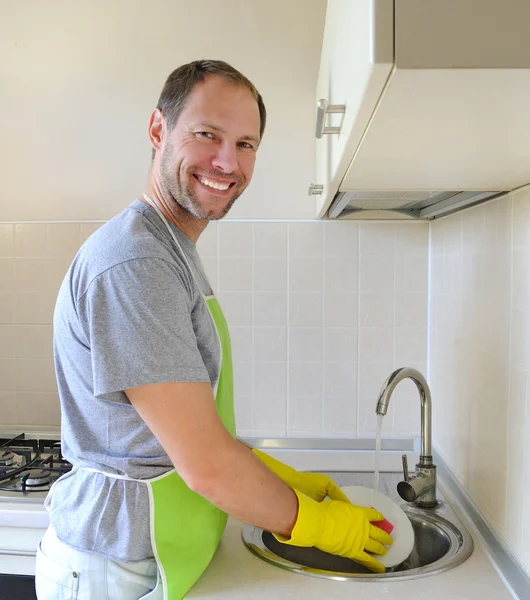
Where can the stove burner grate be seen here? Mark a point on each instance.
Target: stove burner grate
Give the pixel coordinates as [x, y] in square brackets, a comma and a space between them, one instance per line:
[6, 458]
[36, 477]
[30, 465]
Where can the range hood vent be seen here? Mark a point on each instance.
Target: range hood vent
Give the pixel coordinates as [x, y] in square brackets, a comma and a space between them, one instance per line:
[416, 205]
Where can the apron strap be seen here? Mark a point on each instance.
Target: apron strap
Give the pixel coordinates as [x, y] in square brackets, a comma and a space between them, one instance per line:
[126, 477]
[113, 475]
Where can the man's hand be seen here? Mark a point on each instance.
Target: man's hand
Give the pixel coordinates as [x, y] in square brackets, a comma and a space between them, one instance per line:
[341, 529]
[314, 485]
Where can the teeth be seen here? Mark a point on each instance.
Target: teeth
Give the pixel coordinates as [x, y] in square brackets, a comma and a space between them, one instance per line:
[214, 185]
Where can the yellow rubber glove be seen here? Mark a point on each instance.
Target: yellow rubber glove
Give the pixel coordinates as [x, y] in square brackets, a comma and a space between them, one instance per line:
[341, 529]
[314, 485]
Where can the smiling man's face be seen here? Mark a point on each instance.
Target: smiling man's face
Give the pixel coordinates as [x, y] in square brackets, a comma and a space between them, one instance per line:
[207, 160]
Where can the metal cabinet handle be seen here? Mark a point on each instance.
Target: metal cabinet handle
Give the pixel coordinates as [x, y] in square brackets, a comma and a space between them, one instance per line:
[315, 189]
[323, 108]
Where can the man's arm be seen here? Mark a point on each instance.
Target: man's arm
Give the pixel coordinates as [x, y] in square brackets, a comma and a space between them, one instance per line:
[184, 419]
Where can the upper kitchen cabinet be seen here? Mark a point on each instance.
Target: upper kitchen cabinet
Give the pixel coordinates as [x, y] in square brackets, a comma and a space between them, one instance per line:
[431, 102]
[357, 58]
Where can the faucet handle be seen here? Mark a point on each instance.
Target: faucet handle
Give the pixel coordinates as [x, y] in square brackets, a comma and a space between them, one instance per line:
[405, 467]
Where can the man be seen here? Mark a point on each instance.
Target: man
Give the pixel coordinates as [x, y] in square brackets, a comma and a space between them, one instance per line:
[143, 366]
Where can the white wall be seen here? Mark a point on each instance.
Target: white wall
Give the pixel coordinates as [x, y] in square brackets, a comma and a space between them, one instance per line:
[479, 362]
[79, 80]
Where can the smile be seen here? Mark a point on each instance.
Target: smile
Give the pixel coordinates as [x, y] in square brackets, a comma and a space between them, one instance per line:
[222, 187]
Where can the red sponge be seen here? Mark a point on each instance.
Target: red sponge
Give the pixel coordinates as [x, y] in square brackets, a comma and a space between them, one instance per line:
[385, 525]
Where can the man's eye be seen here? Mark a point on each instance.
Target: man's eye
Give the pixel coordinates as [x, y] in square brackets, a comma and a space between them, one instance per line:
[206, 134]
[246, 145]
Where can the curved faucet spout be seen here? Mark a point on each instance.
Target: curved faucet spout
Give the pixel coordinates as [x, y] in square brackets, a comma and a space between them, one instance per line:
[421, 487]
[425, 397]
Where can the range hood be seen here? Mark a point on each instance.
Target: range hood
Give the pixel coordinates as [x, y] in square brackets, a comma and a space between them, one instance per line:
[423, 106]
[413, 205]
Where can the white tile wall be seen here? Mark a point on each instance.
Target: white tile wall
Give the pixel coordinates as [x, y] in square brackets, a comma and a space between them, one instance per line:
[479, 365]
[33, 260]
[328, 310]
[320, 313]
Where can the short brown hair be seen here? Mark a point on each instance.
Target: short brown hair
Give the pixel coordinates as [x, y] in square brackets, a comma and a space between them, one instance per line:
[180, 83]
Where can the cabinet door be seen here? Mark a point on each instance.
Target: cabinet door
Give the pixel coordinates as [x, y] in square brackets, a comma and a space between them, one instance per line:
[357, 57]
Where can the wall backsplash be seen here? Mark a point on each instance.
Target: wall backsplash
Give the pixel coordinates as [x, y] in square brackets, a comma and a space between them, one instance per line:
[320, 313]
[480, 359]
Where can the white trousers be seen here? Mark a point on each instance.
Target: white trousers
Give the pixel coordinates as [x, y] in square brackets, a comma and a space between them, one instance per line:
[63, 573]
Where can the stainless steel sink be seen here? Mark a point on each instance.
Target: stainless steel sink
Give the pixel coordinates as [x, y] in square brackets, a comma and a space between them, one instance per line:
[441, 541]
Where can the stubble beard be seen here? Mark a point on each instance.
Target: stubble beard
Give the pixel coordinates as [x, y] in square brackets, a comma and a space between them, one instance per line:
[184, 195]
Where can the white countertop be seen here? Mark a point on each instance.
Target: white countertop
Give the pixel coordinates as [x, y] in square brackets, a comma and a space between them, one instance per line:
[236, 574]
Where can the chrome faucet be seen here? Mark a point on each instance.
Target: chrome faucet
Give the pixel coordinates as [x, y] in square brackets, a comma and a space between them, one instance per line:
[421, 487]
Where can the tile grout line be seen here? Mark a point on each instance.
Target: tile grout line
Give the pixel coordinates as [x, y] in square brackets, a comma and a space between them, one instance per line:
[358, 329]
[14, 317]
[227, 220]
[429, 301]
[253, 336]
[510, 368]
[323, 359]
[394, 303]
[287, 234]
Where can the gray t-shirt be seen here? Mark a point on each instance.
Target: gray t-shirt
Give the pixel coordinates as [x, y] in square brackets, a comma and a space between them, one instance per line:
[128, 313]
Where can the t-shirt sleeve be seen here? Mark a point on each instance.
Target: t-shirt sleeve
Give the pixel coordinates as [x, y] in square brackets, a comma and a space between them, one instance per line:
[138, 322]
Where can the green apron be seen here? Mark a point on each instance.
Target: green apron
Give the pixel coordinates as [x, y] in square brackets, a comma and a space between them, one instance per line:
[185, 528]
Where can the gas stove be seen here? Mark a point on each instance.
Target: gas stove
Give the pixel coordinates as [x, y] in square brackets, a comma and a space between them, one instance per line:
[29, 465]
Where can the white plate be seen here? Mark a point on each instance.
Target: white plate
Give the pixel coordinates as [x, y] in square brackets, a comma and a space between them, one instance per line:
[402, 534]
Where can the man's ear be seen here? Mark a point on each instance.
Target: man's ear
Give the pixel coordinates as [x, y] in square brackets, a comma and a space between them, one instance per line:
[157, 129]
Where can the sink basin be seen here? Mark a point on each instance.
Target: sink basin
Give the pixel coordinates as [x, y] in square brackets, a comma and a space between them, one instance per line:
[441, 542]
